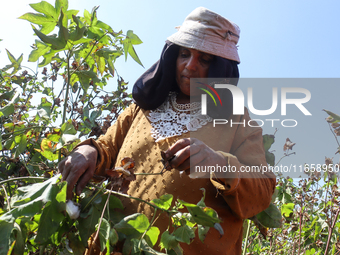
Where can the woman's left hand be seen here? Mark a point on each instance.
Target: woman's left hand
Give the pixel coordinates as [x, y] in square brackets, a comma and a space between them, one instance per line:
[190, 153]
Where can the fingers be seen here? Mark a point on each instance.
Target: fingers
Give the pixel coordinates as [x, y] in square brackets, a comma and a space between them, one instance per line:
[78, 167]
[85, 178]
[179, 145]
[184, 150]
[190, 153]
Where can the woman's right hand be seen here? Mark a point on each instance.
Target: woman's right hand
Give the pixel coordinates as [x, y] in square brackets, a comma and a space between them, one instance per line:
[78, 168]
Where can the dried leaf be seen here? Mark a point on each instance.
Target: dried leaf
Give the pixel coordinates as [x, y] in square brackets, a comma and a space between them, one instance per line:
[288, 145]
[120, 177]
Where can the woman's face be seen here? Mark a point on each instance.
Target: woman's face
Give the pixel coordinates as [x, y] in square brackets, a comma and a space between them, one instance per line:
[191, 64]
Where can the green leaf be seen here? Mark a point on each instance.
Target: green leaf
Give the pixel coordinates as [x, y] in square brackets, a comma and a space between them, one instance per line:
[104, 233]
[201, 203]
[202, 232]
[56, 43]
[42, 49]
[333, 115]
[78, 33]
[63, 31]
[110, 65]
[168, 241]
[207, 217]
[71, 13]
[48, 27]
[85, 77]
[113, 237]
[152, 235]
[184, 234]
[15, 62]
[270, 158]
[7, 110]
[95, 114]
[94, 15]
[75, 244]
[87, 223]
[268, 140]
[7, 95]
[287, 209]
[66, 140]
[104, 26]
[133, 54]
[87, 17]
[68, 128]
[44, 109]
[131, 247]
[52, 215]
[164, 202]
[5, 233]
[133, 225]
[147, 250]
[39, 191]
[176, 251]
[114, 202]
[19, 240]
[61, 4]
[134, 39]
[271, 217]
[38, 19]
[21, 141]
[45, 8]
[100, 64]
[48, 58]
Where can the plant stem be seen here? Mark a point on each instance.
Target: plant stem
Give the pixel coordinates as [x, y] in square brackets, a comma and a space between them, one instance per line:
[67, 88]
[152, 220]
[42, 249]
[330, 231]
[247, 236]
[100, 223]
[66, 94]
[336, 138]
[135, 198]
[285, 155]
[23, 178]
[301, 218]
[8, 203]
[95, 195]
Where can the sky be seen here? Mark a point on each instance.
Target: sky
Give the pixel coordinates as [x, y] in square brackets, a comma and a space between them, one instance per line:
[279, 39]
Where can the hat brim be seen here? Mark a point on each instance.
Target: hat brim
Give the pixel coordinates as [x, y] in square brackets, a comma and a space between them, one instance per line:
[207, 44]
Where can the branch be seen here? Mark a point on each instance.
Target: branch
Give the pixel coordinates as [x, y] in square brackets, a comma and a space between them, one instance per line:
[330, 231]
[301, 219]
[135, 198]
[23, 178]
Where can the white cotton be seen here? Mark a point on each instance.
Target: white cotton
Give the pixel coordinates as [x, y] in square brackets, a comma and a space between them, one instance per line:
[72, 209]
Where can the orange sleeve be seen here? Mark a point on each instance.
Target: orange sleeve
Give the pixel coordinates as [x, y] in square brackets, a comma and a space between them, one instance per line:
[247, 193]
[108, 145]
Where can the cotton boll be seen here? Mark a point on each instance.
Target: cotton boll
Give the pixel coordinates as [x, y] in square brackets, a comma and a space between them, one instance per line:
[72, 209]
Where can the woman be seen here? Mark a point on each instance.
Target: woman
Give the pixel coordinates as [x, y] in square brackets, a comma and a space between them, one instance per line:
[164, 118]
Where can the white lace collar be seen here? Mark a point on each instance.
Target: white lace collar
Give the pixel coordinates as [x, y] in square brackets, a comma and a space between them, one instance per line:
[172, 119]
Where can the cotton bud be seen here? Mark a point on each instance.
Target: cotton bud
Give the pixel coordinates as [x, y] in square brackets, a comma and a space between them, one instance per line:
[73, 209]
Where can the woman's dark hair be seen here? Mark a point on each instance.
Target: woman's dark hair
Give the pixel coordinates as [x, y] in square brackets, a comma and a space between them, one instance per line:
[153, 87]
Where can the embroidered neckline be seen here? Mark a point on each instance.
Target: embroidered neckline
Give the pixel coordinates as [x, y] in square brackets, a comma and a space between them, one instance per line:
[173, 119]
